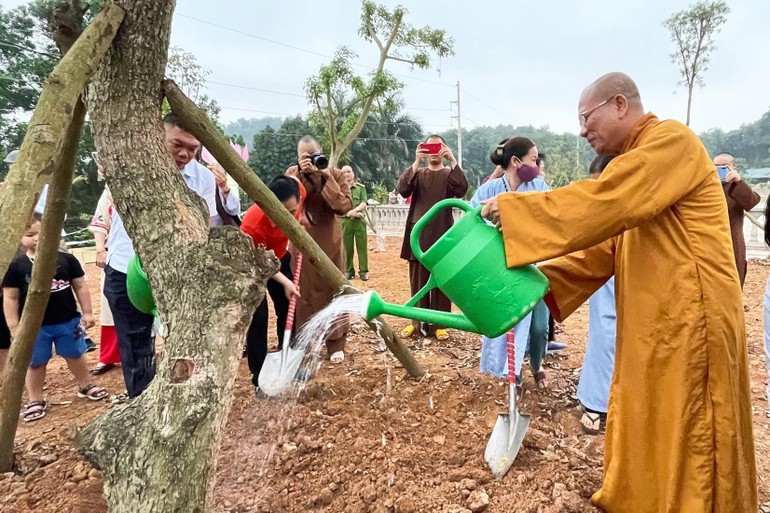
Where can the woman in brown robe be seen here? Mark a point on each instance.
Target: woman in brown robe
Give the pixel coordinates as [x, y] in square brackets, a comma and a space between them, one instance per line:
[427, 186]
[328, 195]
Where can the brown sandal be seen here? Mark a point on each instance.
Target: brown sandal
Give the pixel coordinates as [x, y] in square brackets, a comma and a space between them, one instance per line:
[541, 379]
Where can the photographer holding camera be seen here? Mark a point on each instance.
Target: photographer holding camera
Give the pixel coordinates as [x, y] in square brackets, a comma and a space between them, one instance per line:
[328, 195]
[740, 198]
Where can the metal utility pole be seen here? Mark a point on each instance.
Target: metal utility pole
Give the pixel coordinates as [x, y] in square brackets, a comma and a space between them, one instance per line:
[459, 129]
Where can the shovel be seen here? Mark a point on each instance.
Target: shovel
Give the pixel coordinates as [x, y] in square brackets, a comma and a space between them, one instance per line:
[280, 367]
[505, 442]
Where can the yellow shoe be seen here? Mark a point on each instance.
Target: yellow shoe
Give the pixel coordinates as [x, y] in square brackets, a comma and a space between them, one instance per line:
[407, 332]
[442, 334]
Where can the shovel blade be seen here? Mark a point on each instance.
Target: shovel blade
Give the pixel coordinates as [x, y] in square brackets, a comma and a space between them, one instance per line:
[278, 371]
[505, 442]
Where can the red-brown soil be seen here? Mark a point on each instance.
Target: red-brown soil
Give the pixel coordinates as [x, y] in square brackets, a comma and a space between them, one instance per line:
[364, 438]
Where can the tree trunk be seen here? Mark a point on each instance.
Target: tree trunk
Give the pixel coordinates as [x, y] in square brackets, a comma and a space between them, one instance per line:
[215, 142]
[158, 451]
[45, 134]
[39, 289]
[689, 101]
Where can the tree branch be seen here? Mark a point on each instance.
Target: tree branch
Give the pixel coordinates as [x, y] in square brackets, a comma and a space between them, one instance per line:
[399, 59]
[373, 34]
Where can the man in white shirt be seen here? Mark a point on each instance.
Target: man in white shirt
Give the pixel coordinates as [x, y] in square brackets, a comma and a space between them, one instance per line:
[134, 328]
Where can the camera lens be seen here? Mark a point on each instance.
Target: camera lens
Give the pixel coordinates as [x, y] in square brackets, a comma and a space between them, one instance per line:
[320, 161]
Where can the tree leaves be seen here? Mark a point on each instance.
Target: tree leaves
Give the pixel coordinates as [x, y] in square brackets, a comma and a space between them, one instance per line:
[342, 99]
[692, 31]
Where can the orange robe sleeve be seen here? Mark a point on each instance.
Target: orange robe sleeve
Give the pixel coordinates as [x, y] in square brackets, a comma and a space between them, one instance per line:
[634, 188]
[575, 277]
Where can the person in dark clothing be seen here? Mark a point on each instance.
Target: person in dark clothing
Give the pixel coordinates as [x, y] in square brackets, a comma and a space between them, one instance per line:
[427, 185]
[263, 231]
[740, 198]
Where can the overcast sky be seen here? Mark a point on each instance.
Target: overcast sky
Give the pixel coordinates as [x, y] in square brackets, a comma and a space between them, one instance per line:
[517, 62]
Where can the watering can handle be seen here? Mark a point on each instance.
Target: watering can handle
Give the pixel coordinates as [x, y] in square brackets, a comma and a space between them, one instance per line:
[414, 239]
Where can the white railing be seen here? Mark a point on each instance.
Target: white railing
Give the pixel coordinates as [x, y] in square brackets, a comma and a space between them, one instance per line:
[390, 220]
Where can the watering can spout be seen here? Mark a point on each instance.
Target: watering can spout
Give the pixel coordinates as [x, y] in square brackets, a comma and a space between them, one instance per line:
[373, 306]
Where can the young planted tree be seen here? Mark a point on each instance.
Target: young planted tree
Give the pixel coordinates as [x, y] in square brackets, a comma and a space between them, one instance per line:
[342, 100]
[692, 31]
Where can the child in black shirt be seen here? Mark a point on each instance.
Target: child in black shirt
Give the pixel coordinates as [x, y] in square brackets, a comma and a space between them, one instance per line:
[61, 322]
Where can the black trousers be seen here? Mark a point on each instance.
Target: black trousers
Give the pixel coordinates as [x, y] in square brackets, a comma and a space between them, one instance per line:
[256, 338]
[134, 331]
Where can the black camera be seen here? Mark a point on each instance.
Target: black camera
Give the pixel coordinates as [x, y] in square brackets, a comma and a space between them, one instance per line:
[319, 160]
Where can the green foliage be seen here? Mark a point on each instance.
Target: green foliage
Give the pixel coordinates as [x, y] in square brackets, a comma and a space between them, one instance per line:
[185, 70]
[273, 151]
[692, 31]
[567, 155]
[342, 100]
[26, 58]
[380, 193]
[750, 144]
[386, 144]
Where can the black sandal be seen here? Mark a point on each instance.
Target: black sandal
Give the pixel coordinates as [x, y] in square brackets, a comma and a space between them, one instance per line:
[34, 411]
[593, 423]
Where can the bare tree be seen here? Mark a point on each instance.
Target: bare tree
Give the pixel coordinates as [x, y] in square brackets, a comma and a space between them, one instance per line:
[692, 31]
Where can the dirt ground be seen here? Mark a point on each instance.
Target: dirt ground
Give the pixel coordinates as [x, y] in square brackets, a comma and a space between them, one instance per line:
[363, 438]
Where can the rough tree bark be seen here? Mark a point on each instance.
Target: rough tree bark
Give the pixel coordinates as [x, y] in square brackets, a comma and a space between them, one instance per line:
[215, 142]
[158, 451]
[39, 289]
[45, 133]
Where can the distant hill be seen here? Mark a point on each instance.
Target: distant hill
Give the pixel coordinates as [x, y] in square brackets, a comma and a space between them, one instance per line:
[246, 128]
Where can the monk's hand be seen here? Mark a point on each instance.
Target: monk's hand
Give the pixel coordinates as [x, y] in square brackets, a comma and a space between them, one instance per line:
[306, 165]
[491, 211]
[733, 177]
[419, 156]
[446, 154]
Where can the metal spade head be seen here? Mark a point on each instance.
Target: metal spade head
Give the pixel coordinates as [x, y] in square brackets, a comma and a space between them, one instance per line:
[506, 439]
[279, 369]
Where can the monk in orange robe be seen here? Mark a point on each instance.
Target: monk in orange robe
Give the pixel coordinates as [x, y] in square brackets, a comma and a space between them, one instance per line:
[679, 433]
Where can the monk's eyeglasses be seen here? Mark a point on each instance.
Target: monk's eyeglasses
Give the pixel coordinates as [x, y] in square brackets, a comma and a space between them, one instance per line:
[583, 116]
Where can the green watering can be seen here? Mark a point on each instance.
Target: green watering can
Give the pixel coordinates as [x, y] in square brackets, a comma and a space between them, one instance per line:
[468, 265]
[138, 288]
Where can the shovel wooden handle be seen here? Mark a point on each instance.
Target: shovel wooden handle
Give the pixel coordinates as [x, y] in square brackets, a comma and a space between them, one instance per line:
[293, 300]
[511, 357]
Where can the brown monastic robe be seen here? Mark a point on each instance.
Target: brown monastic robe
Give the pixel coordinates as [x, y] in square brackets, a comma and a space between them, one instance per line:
[679, 429]
[427, 187]
[740, 198]
[326, 198]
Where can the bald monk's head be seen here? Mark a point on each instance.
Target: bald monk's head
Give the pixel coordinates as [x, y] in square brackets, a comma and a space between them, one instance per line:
[608, 109]
[307, 145]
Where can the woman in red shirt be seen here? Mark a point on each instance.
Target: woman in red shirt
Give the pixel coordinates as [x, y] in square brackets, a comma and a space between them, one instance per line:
[263, 231]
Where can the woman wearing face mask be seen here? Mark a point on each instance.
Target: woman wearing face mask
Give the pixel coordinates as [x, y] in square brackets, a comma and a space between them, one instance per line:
[517, 157]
